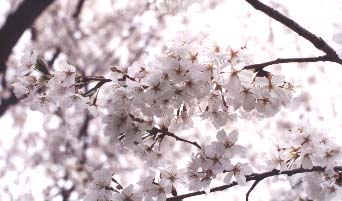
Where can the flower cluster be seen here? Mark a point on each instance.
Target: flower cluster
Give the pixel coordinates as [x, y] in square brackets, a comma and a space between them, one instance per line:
[215, 159]
[205, 165]
[189, 81]
[150, 101]
[46, 90]
[309, 148]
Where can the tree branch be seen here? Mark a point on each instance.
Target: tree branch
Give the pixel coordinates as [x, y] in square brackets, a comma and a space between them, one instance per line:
[260, 66]
[252, 188]
[7, 102]
[254, 177]
[183, 140]
[78, 10]
[55, 55]
[165, 132]
[16, 24]
[318, 42]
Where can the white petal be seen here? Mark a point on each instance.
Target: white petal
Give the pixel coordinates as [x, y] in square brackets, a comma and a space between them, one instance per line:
[228, 178]
[221, 136]
[240, 179]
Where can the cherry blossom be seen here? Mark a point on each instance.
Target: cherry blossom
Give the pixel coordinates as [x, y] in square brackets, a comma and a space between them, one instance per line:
[102, 178]
[145, 104]
[128, 194]
[28, 61]
[240, 170]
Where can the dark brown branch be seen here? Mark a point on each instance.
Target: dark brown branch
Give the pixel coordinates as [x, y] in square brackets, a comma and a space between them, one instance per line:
[165, 132]
[78, 9]
[260, 66]
[15, 25]
[318, 42]
[83, 135]
[252, 188]
[183, 140]
[55, 55]
[254, 177]
[7, 102]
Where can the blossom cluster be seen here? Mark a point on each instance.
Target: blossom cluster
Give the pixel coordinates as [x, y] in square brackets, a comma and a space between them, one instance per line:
[150, 101]
[216, 158]
[309, 148]
[204, 166]
[44, 91]
[189, 81]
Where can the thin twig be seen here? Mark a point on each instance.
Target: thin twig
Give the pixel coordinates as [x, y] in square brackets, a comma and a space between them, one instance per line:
[260, 66]
[183, 140]
[165, 132]
[318, 42]
[252, 188]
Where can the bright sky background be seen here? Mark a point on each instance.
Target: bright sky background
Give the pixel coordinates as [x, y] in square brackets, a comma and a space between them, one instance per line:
[236, 23]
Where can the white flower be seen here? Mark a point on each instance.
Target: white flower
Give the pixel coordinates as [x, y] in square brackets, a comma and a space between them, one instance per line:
[305, 159]
[99, 195]
[172, 175]
[198, 180]
[229, 141]
[218, 118]
[232, 81]
[116, 125]
[277, 159]
[161, 190]
[328, 157]
[216, 159]
[267, 105]
[102, 178]
[57, 91]
[25, 86]
[42, 103]
[239, 171]
[66, 74]
[156, 87]
[28, 61]
[128, 194]
[151, 157]
[246, 98]
[148, 188]
[73, 100]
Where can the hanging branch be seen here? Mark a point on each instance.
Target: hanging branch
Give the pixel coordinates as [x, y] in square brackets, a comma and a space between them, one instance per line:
[254, 177]
[318, 42]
